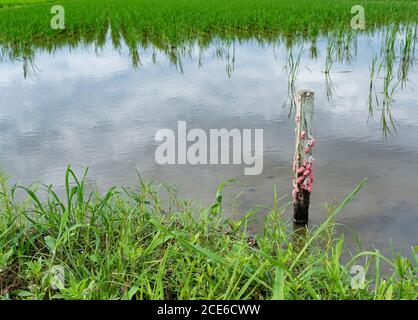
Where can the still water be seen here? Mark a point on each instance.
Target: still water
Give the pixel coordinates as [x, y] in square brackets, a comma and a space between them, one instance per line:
[88, 107]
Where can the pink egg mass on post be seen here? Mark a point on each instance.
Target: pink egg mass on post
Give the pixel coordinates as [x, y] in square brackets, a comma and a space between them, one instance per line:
[303, 161]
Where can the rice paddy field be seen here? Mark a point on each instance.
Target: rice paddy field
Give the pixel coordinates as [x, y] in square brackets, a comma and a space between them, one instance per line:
[166, 23]
[94, 94]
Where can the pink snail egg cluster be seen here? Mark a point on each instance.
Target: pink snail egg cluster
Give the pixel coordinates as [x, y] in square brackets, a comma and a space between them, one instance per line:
[305, 175]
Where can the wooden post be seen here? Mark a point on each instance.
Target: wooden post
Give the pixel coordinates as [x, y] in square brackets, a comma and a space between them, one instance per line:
[303, 160]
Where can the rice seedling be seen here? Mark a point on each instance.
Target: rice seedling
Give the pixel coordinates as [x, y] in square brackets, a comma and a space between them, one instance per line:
[406, 56]
[342, 47]
[329, 87]
[387, 119]
[329, 61]
[292, 69]
[313, 51]
[391, 81]
[372, 88]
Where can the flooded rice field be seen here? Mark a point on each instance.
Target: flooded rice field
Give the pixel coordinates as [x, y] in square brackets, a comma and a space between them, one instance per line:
[101, 107]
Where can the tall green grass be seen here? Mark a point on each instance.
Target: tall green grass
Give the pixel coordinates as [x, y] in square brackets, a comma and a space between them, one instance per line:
[133, 244]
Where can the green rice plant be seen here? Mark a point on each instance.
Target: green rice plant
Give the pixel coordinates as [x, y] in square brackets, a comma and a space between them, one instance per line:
[329, 87]
[329, 61]
[387, 119]
[292, 68]
[26, 29]
[372, 89]
[388, 64]
[407, 54]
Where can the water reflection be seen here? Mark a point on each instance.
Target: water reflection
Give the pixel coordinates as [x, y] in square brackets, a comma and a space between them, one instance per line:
[394, 47]
[87, 106]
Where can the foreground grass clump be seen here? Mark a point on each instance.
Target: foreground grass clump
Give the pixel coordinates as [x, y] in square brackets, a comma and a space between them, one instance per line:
[130, 244]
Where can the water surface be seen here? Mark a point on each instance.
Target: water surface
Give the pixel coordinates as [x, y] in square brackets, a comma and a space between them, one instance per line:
[89, 107]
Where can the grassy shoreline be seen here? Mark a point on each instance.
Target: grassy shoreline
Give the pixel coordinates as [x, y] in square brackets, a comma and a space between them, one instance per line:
[131, 244]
